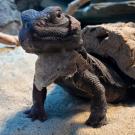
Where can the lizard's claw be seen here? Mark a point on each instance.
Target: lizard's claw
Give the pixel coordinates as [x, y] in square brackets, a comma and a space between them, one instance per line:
[96, 122]
[36, 113]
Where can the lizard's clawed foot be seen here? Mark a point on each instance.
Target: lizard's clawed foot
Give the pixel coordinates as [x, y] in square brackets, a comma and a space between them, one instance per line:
[36, 113]
[96, 122]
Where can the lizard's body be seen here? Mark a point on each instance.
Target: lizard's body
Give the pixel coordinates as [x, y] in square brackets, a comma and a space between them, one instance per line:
[115, 87]
[62, 59]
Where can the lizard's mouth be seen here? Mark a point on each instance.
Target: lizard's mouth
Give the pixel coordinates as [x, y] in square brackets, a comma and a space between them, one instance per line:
[51, 32]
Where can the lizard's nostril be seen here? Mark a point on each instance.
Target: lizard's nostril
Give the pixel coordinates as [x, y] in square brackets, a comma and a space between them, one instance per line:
[40, 23]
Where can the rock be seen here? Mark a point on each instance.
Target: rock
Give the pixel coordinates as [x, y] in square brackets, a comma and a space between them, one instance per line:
[66, 113]
[114, 41]
[28, 4]
[40, 4]
[9, 17]
[98, 11]
[103, 11]
[60, 3]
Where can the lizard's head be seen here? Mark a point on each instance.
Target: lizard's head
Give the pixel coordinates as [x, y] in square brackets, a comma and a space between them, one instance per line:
[49, 30]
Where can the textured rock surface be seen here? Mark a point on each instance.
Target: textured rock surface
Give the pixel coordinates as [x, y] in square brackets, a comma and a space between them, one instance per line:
[9, 17]
[66, 114]
[113, 40]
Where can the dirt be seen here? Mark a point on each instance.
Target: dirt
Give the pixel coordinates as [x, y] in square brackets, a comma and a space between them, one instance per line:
[66, 114]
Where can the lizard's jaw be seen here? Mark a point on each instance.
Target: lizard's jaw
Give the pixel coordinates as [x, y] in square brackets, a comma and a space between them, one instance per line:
[51, 32]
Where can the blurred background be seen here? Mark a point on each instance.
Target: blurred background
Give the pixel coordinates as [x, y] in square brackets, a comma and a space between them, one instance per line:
[92, 12]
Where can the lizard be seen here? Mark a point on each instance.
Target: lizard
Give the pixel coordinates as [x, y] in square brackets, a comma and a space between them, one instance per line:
[57, 40]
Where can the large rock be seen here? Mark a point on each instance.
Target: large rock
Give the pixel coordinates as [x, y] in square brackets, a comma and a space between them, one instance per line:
[9, 17]
[95, 12]
[66, 114]
[103, 11]
[116, 41]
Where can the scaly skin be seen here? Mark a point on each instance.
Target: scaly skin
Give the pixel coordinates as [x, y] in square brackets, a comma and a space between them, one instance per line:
[52, 31]
[41, 31]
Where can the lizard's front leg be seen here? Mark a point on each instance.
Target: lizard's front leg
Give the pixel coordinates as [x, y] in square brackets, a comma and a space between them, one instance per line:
[37, 110]
[88, 81]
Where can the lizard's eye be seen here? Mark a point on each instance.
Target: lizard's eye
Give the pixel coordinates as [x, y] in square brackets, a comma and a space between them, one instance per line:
[58, 14]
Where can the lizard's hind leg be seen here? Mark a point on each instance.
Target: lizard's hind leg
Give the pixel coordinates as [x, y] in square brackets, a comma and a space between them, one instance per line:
[89, 82]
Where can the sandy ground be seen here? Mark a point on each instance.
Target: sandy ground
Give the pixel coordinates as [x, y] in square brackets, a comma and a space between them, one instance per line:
[66, 114]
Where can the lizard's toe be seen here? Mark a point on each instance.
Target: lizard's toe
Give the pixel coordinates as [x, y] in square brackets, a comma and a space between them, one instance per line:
[96, 122]
[36, 113]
